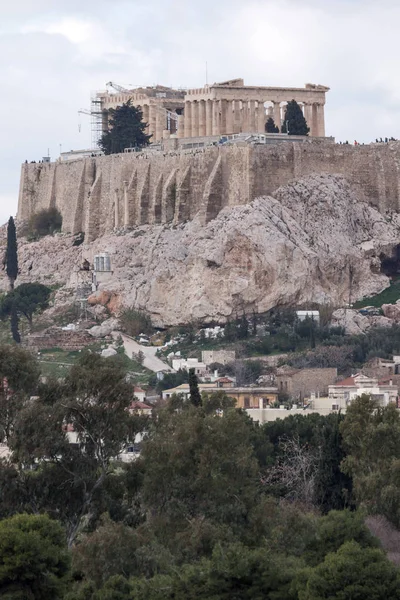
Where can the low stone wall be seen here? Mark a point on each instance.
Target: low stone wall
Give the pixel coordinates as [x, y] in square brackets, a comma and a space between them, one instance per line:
[55, 337]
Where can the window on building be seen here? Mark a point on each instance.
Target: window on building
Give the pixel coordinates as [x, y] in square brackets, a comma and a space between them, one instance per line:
[247, 402]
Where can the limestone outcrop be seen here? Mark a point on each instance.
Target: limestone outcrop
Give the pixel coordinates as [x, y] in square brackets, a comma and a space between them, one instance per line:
[392, 311]
[354, 323]
[105, 329]
[313, 241]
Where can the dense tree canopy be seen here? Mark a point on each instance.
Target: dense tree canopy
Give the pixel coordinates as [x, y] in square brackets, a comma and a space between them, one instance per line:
[34, 562]
[127, 130]
[69, 481]
[215, 507]
[371, 437]
[353, 573]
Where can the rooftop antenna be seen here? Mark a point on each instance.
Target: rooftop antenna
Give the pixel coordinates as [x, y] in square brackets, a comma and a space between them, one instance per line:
[206, 73]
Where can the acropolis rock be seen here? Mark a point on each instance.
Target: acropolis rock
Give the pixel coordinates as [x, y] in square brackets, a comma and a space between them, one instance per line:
[314, 240]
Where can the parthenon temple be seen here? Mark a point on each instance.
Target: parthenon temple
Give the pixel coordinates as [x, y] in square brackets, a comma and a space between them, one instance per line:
[219, 109]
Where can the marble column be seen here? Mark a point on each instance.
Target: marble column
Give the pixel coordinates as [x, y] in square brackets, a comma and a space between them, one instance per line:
[314, 120]
[277, 115]
[202, 118]
[223, 105]
[236, 116]
[261, 118]
[252, 116]
[188, 119]
[208, 117]
[320, 120]
[152, 122]
[215, 118]
[245, 127]
[195, 119]
[180, 128]
[229, 117]
[309, 117]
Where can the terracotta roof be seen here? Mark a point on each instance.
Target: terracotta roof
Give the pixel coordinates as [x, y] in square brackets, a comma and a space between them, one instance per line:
[224, 380]
[140, 405]
[138, 390]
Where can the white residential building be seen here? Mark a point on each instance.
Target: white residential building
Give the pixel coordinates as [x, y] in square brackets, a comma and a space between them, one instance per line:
[342, 393]
[200, 368]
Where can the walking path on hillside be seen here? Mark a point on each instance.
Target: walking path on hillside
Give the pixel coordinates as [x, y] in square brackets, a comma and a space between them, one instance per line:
[151, 361]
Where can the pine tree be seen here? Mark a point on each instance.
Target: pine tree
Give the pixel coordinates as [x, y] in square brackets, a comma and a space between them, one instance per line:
[195, 396]
[270, 126]
[11, 253]
[14, 321]
[294, 122]
[127, 130]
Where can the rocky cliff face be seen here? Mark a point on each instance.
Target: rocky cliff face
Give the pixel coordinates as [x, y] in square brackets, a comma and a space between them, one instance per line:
[314, 241]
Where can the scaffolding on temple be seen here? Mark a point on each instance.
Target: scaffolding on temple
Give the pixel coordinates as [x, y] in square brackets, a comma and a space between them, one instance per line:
[96, 119]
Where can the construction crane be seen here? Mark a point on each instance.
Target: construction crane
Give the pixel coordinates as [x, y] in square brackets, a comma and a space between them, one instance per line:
[118, 88]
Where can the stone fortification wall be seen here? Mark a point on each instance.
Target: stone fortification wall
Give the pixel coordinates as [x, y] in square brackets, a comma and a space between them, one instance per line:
[95, 195]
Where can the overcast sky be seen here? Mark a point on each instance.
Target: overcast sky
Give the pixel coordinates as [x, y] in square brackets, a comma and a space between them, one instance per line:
[53, 53]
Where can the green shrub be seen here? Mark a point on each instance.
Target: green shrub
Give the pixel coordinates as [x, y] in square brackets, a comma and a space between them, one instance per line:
[135, 322]
[45, 222]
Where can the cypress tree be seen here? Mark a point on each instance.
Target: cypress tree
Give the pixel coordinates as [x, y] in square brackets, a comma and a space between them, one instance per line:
[14, 321]
[11, 253]
[270, 126]
[195, 396]
[294, 122]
